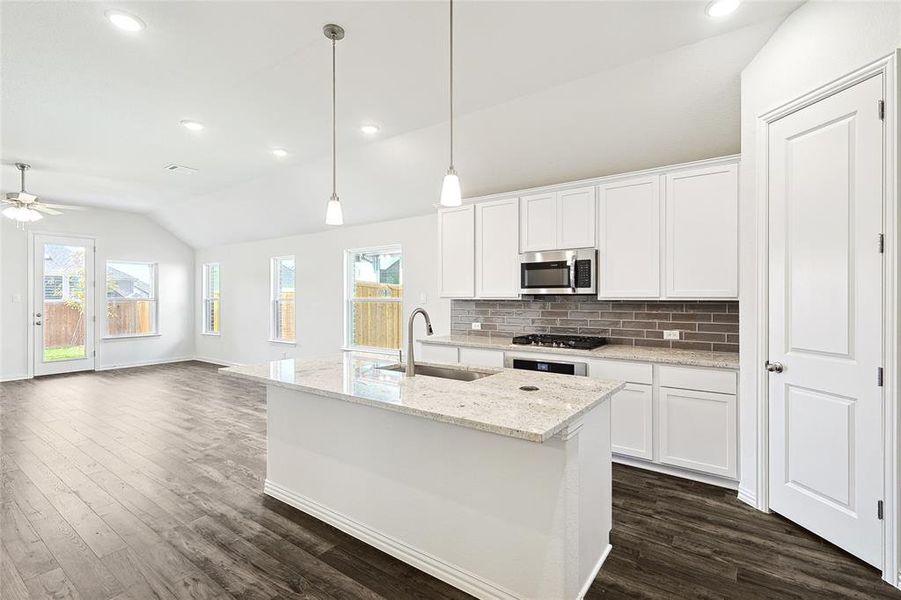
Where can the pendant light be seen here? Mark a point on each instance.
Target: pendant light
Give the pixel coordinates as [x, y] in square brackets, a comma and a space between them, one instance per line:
[451, 194]
[333, 213]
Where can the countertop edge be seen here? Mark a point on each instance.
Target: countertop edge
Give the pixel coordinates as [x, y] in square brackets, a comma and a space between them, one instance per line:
[596, 354]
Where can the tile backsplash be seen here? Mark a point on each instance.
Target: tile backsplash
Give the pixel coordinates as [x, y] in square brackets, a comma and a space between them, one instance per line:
[703, 325]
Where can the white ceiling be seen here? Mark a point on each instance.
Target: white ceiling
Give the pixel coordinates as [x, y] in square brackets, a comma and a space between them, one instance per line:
[546, 91]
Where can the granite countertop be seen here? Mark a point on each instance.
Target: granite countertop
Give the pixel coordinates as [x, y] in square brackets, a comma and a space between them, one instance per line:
[671, 356]
[494, 404]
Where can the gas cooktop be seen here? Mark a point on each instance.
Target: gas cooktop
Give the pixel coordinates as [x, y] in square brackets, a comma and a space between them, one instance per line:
[579, 342]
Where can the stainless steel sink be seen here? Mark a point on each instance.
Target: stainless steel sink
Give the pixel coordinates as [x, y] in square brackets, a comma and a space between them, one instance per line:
[443, 372]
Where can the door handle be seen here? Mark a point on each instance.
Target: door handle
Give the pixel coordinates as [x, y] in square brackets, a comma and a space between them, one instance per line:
[37, 322]
[38, 315]
[572, 274]
[774, 367]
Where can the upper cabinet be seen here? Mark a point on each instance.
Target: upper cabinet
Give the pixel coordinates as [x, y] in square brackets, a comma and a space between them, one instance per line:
[456, 241]
[702, 232]
[629, 238]
[557, 220]
[497, 249]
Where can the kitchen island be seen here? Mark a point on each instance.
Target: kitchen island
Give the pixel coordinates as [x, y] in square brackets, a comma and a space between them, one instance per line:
[500, 485]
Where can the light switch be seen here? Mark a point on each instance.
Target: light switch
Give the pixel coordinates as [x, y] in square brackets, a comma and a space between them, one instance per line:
[17, 298]
[423, 298]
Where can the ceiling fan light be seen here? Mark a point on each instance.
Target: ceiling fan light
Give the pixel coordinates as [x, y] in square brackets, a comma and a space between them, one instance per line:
[333, 213]
[451, 195]
[11, 212]
[32, 215]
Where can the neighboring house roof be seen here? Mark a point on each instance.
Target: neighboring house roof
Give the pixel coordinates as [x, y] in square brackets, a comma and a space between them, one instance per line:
[123, 285]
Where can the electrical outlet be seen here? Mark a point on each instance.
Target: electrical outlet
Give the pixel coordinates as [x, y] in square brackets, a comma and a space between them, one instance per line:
[671, 334]
[477, 326]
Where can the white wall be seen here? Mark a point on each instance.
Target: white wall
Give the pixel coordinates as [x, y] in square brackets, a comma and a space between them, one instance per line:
[320, 288]
[819, 42]
[118, 235]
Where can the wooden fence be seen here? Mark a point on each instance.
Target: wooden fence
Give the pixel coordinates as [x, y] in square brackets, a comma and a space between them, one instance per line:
[378, 324]
[64, 322]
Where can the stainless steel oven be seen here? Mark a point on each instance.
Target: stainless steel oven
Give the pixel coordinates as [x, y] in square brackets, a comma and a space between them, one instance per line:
[559, 272]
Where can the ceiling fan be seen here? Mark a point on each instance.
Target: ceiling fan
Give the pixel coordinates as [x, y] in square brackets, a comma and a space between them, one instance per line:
[23, 207]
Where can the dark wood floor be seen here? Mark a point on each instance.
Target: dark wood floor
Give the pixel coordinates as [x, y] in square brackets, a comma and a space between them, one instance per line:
[145, 483]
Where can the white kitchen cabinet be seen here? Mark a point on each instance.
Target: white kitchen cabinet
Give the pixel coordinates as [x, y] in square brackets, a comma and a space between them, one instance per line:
[702, 232]
[482, 357]
[497, 249]
[575, 218]
[629, 231]
[538, 222]
[434, 353]
[697, 430]
[456, 241]
[558, 220]
[632, 421]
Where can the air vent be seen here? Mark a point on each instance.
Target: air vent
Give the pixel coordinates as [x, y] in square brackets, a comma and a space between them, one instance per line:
[180, 169]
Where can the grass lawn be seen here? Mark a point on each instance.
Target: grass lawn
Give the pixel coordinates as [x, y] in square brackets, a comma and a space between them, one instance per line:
[63, 353]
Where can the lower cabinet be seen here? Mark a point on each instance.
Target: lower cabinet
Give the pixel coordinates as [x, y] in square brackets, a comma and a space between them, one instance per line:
[433, 353]
[697, 430]
[632, 418]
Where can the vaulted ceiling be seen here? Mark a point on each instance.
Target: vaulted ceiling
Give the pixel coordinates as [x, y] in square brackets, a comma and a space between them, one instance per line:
[545, 92]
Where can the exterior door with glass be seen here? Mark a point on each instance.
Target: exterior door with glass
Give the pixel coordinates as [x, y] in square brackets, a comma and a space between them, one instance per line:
[62, 315]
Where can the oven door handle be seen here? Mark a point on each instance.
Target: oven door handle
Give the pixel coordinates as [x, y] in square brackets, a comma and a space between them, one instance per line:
[572, 273]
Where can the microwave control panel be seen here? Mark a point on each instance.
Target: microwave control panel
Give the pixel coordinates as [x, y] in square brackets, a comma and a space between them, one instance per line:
[583, 273]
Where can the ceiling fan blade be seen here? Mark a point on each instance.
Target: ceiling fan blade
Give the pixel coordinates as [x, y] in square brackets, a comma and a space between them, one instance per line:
[62, 206]
[41, 207]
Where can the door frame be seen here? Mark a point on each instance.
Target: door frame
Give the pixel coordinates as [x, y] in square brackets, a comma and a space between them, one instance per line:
[30, 291]
[885, 66]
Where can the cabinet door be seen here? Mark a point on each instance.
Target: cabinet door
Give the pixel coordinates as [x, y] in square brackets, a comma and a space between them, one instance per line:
[697, 430]
[482, 357]
[629, 238]
[497, 249]
[631, 421]
[538, 222]
[435, 353]
[456, 240]
[702, 233]
[575, 218]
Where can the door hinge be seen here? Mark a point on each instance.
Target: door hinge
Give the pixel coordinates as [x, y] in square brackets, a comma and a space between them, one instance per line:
[879, 510]
[94, 319]
[882, 110]
[94, 353]
[881, 243]
[879, 376]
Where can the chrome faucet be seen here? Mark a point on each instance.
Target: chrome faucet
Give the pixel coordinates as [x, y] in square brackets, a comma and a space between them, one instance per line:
[411, 366]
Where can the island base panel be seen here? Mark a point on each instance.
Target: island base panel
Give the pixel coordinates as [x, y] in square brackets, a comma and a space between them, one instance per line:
[495, 516]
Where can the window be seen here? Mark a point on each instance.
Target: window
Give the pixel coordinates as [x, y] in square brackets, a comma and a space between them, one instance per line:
[281, 283]
[374, 295]
[131, 299]
[211, 309]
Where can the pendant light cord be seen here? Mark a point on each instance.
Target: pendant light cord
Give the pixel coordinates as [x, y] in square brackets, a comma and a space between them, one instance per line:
[451, 84]
[334, 94]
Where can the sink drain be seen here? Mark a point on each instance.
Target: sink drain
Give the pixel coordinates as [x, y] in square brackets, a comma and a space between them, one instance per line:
[529, 388]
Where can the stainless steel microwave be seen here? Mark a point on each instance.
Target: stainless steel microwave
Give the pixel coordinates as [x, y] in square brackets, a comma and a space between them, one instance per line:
[559, 272]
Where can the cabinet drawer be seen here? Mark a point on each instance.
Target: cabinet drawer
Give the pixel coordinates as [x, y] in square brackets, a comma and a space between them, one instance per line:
[439, 354]
[481, 357]
[721, 381]
[624, 371]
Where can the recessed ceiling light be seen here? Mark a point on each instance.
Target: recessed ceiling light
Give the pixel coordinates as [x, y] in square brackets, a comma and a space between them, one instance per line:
[280, 152]
[721, 8]
[125, 21]
[192, 125]
[369, 128]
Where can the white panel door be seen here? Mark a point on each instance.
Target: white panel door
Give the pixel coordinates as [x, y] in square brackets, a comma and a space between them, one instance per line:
[456, 240]
[825, 329]
[538, 222]
[698, 431]
[631, 421]
[62, 314]
[497, 249]
[702, 233]
[575, 218]
[629, 238]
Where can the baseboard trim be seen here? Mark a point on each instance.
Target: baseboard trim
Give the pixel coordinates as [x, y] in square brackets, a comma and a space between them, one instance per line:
[595, 571]
[215, 361]
[15, 378]
[146, 363]
[747, 497]
[455, 576]
[676, 472]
